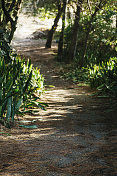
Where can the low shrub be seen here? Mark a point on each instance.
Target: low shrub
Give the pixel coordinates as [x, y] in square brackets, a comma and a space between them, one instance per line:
[76, 75]
[104, 76]
[19, 82]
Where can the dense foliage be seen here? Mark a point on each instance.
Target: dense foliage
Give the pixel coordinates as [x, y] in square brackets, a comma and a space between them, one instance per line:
[87, 39]
[42, 8]
[104, 77]
[19, 82]
[9, 15]
[95, 60]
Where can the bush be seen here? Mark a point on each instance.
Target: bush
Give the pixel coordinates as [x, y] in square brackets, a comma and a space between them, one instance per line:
[18, 83]
[76, 75]
[104, 76]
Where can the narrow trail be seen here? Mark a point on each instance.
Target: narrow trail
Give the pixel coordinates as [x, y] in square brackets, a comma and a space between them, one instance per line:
[75, 136]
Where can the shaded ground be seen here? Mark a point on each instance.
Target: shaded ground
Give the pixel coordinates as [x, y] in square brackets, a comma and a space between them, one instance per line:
[75, 136]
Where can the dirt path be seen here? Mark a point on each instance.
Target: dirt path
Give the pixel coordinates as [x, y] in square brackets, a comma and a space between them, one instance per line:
[75, 136]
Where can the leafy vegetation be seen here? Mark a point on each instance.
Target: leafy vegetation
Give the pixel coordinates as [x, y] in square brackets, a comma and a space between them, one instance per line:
[87, 45]
[87, 40]
[9, 15]
[19, 82]
[70, 72]
[93, 59]
[104, 77]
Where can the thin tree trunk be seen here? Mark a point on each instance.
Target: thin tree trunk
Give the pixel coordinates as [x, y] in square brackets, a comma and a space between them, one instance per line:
[60, 44]
[53, 29]
[99, 7]
[82, 61]
[13, 29]
[73, 45]
[9, 18]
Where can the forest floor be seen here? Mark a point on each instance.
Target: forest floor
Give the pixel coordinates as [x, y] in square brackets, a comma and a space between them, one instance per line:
[76, 135]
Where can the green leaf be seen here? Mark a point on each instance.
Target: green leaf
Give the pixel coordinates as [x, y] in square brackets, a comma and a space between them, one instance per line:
[9, 107]
[19, 103]
[29, 126]
[5, 133]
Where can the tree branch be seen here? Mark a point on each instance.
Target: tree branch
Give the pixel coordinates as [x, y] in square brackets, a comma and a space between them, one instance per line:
[11, 6]
[18, 5]
[89, 5]
[98, 8]
[6, 12]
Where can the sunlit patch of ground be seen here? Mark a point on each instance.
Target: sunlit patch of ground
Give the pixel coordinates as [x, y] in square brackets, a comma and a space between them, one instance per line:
[29, 24]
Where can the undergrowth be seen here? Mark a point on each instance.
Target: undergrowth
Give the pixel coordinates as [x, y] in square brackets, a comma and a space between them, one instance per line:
[102, 77]
[20, 84]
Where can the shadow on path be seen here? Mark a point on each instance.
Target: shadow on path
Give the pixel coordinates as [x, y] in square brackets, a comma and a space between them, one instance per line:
[75, 136]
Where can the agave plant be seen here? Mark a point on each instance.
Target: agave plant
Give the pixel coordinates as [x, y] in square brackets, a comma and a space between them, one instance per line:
[18, 83]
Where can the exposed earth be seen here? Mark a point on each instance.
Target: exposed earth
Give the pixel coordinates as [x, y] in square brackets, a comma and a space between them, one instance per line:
[77, 135]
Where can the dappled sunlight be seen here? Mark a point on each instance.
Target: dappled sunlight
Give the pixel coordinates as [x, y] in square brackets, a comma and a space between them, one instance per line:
[50, 117]
[73, 135]
[62, 139]
[19, 135]
[15, 174]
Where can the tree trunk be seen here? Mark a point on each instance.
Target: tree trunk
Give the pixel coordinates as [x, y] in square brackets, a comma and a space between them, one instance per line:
[8, 16]
[60, 44]
[97, 8]
[53, 29]
[82, 61]
[73, 45]
[13, 29]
